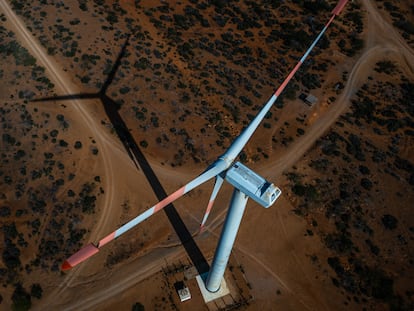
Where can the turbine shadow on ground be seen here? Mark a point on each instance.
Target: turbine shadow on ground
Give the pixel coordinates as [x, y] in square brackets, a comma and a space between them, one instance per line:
[135, 153]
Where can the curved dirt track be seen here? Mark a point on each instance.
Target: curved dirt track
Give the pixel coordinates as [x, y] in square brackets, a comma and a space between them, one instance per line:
[382, 40]
[378, 46]
[65, 86]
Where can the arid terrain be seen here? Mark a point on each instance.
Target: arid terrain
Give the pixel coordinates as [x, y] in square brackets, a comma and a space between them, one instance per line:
[95, 94]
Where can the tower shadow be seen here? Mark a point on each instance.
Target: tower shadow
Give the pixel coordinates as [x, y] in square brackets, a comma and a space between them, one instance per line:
[140, 161]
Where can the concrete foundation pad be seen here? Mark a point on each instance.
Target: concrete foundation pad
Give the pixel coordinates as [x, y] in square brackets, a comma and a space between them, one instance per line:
[209, 296]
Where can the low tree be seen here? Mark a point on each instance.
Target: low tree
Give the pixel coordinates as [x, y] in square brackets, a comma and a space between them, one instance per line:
[21, 299]
[36, 291]
[138, 307]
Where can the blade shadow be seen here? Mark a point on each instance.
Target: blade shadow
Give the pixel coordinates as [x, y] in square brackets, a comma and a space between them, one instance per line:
[112, 111]
[115, 67]
[67, 97]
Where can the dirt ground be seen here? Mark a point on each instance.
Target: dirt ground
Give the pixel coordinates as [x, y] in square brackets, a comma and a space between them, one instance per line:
[272, 248]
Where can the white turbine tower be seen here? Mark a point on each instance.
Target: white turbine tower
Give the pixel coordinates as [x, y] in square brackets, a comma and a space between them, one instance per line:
[246, 184]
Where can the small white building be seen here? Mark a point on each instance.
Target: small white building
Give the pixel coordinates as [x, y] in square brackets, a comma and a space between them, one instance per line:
[183, 292]
[309, 99]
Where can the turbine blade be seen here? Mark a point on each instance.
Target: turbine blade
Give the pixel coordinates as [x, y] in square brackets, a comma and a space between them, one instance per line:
[339, 7]
[222, 163]
[90, 250]
[83, 254]
[217, 186]
[240, 141]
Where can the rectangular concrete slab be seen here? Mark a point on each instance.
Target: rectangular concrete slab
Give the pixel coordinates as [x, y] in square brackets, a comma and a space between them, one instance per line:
[209, 296]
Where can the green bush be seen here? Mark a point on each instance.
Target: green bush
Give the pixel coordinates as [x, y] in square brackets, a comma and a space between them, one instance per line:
[138, 307]
[36, 291]
[389, 221]
[78, 145]
[21, 299]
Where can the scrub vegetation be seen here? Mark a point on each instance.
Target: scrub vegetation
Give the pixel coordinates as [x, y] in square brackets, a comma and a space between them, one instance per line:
[193, 75]
[356, 192]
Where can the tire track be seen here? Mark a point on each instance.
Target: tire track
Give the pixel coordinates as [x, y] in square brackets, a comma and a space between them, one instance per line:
[383, 40]
[375, 51]
[130, 271]
[63, 84]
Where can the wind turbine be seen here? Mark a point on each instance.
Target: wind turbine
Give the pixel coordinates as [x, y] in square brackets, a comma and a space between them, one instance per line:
[134, 151]
[246, 183]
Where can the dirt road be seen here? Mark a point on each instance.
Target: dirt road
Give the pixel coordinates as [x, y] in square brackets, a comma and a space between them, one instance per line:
[378, 47]
[65, 86]
[381, 40]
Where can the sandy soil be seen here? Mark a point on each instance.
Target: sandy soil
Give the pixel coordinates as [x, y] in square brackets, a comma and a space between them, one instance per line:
[279, 264]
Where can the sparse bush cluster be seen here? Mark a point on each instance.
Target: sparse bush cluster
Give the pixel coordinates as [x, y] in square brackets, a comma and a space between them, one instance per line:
[29, 190]
[217, 78]
[349, 168]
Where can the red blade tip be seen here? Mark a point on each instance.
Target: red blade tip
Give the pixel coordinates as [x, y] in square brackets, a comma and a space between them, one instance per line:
[66, 266]
[339, 7]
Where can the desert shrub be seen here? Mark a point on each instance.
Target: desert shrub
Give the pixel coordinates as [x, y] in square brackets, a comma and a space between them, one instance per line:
[124, 90]
[7, 138]
[182, 21]
[87, 200]
[389, 221]
[339, 242]
[356, 45]
[21, 55]
[385, 66]
[372, 247]
[364, 170]
[36, 291]
[54, 133]
[112, 18]
[78, 145]
[405, 25]
[311, 81]
[143, 63]
[366, 183]
[85, 79]
[245, 100]
[82, 5]
[138, 307]
[315, 7]
[21, 299]
[307, 191]
[374, 282]
[404, 164]
[11, 255]
[336, 265]
[19, 154]
[185, 50]
[4, 211]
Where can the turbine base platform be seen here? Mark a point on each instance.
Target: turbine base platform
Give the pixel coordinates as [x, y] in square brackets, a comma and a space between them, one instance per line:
[209, 296]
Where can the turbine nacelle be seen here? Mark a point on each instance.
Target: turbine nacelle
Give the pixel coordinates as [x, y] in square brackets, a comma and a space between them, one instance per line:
[252, 185]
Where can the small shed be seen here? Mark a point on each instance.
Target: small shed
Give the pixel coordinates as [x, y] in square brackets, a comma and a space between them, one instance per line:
[183, 291]
[309, 99]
